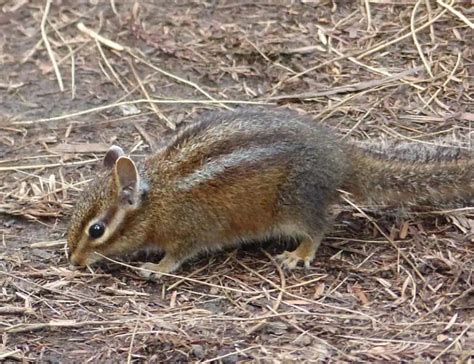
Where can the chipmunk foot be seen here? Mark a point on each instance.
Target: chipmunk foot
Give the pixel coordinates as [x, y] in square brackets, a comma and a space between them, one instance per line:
[290, 260]
[304, 253]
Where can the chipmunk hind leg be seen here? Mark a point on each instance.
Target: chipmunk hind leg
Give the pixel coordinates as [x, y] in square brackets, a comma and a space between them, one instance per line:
[311, 235]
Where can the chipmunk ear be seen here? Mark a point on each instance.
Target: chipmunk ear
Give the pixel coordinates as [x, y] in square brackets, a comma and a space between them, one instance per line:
[127, 182]
[114, 153]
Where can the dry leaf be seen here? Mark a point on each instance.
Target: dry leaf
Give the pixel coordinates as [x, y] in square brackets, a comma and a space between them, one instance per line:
[360, 294]
[451, 322]
[404, 230]
[319, 290]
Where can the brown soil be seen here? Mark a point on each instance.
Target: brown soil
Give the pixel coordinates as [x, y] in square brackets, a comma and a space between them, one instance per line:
[357, 66]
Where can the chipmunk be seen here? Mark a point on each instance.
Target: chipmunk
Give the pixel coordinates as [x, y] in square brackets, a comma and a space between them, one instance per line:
[249, 175]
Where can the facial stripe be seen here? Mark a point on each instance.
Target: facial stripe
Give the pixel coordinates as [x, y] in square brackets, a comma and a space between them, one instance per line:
[112, 219]
[109, 215]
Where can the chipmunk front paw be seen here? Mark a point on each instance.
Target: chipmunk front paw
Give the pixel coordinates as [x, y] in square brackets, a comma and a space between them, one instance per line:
[151, 273]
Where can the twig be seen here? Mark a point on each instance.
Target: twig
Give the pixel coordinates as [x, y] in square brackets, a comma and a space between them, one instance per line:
[451, 344]
[177, 283]
[390, 240]
[311, 69]
[119, 47]
[415, 39]
[11, 354]
[281, 274]
[264, 56]
[457, 13]
[51, 325]
[368, 112]
[281, 290]
[47, 244]
[98, 37]
[177, 78]
[109, 66]
[56, 291]
[322, 341]
[13, 310]
[398, 39]
[360, 55]
[451, 74]
[176, 276]
[343, 309]
[51, 165]
[71, 54]
[430, 17]
[217, 359]
[375, 70]
[349, 88]
[155, 109]
[151, 142]
[369, 15]
[139, 101]
[132, 340]
[48, 46]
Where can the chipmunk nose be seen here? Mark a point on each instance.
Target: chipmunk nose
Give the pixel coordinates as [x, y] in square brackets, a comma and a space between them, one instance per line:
[75, 261]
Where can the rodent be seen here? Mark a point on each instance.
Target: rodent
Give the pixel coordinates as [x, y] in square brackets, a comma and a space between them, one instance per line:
[231, 177]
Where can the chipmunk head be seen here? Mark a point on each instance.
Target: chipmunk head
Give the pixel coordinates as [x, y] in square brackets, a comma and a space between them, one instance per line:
[101, 213]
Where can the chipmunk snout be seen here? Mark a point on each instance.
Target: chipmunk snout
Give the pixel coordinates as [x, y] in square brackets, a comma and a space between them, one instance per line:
[79, 258]
[83, 258]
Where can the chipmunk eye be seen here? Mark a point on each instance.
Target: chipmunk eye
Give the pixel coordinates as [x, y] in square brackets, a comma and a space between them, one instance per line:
[96, 230]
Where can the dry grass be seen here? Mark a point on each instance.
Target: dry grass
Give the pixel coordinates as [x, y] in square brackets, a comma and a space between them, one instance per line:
[383, 288]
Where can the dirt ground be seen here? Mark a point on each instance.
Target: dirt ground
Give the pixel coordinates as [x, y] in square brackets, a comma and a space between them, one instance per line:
[384, 287]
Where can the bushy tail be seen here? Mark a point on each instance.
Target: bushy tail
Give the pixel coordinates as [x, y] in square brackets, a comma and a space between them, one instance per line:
[412, 174]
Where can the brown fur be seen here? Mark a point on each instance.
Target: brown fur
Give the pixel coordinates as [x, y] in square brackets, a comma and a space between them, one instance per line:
[251, 175]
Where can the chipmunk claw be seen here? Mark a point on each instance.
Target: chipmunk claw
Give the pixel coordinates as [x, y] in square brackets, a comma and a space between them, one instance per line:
[149, 272]
[290, 260]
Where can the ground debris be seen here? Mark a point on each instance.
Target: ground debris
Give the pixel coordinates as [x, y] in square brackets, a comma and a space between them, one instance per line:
[392, 70]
